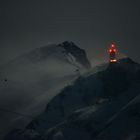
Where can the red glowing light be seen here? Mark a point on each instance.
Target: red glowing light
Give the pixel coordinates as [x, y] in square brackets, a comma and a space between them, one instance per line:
[114, 50]
[112, 45]
[112, 53]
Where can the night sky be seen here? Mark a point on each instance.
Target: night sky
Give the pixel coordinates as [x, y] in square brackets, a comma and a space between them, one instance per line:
[91, 24]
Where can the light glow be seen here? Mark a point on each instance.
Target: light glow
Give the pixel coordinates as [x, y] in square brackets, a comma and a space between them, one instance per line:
[113, 45]
[114, 60]
[112, 53]
[114, 50]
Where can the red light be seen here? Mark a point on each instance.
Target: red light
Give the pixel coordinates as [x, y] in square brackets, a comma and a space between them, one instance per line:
[112, 53]
[114, 50]
[113, 45]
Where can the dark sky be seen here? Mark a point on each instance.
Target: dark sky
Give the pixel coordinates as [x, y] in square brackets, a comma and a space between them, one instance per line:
[91, 24]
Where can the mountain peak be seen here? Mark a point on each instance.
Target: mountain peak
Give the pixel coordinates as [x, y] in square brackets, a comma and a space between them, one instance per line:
[91, 104]
[125, 63]
[127, 60]
[77, 52]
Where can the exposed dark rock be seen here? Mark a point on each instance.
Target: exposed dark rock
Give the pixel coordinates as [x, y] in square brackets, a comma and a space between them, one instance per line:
[87, 109]
[27, 134]
[77, 52]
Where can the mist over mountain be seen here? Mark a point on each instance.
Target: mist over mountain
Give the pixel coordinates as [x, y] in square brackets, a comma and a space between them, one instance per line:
[102, 105]
[28, 82]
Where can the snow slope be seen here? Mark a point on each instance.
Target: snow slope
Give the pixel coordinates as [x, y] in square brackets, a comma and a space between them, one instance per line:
[28, 82]
[99, 106]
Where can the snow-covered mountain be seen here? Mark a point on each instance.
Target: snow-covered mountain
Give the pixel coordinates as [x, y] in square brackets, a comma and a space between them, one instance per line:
[99, 106]
[28, 82]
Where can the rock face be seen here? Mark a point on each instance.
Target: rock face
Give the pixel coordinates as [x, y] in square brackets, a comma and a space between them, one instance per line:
[78, 53]
[24, 135]
[101, 106]
[29, 81]
[66, 51]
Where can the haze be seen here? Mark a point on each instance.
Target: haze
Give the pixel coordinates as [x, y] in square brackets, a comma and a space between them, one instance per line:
[91, 24]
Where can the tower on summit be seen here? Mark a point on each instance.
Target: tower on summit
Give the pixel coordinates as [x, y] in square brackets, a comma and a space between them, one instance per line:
[112, 53]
